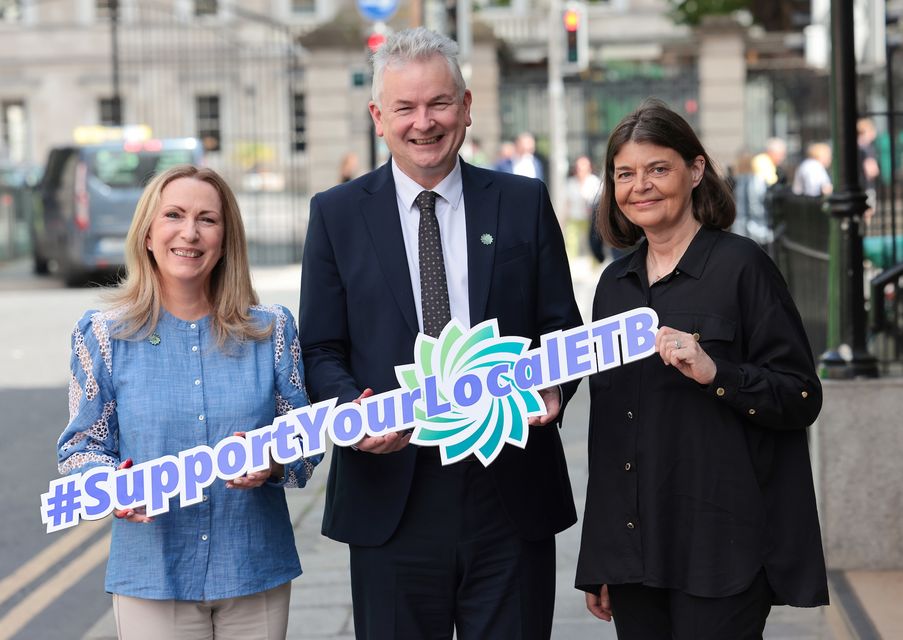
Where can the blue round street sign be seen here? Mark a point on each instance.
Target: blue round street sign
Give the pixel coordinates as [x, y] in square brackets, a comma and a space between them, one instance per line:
[377, 10]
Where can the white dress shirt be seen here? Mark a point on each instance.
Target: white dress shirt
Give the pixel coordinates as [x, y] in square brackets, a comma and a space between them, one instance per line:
[524, 165]
[452, 230]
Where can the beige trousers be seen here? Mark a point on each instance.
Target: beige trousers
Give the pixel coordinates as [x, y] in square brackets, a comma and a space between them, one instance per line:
[259, 616]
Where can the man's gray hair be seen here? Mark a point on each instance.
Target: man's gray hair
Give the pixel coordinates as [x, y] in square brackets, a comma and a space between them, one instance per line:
[415, 44]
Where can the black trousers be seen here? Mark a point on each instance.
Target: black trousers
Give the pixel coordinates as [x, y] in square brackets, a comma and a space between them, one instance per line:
[454, 564]
[648, 613]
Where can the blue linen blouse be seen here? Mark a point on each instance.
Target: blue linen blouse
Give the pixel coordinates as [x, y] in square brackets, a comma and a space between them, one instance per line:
[142, 399]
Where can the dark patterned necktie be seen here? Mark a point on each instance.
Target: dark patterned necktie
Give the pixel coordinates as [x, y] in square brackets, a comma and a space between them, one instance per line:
[433, 285]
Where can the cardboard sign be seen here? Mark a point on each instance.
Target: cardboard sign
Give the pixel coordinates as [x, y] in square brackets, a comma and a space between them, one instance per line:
[468, 392]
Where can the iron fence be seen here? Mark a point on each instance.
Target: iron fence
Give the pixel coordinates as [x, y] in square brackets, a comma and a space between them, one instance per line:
[802, 233]
[236, 85]
[800, 249]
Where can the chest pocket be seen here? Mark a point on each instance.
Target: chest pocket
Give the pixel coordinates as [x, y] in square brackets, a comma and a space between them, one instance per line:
[511, 254]
[715, 334]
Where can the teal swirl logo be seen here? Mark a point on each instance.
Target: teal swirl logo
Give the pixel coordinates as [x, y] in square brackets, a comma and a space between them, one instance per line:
[470, 403]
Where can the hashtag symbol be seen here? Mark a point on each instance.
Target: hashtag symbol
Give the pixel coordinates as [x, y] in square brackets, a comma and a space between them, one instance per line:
[60, 506]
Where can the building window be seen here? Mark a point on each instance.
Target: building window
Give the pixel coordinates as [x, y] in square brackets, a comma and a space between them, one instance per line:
[110, 112]
[103, 8]
[208, 121]
[10, 10]
[12, 130]
[299, 123]
[206, 7]
[304, 6]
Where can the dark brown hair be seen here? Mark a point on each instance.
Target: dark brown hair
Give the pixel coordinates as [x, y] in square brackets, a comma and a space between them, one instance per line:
[654, 123]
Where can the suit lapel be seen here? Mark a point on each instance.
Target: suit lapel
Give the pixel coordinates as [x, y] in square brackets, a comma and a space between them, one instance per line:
[481, 210]
[380, 213]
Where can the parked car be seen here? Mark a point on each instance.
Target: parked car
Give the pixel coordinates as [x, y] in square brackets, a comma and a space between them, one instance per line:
[86, 200]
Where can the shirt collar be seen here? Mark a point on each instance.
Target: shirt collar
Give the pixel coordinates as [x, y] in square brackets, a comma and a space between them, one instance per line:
[450, 189]
[693, 261]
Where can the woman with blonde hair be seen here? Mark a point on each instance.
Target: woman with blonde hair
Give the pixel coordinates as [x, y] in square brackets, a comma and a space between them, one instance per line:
[158, 373]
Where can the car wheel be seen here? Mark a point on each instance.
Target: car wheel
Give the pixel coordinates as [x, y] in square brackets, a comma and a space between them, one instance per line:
[73, 278]
[40, 265]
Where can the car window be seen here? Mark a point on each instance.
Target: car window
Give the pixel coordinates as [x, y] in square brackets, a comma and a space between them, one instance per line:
[51, 180]
[121, 169]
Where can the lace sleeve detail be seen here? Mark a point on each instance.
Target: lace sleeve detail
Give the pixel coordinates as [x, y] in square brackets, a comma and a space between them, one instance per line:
[306, 469]
[92, 436]
[295, 377]
[278, 327]
[290, 392]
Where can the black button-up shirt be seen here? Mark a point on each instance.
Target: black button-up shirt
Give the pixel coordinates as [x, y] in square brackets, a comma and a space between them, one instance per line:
[696, 487]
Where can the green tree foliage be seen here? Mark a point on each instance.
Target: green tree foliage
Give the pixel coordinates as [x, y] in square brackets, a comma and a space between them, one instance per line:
[693, 11]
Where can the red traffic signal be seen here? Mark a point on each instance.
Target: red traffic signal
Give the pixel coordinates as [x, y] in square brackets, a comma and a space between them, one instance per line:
[375, 41]
[571, 20]
[575, 36]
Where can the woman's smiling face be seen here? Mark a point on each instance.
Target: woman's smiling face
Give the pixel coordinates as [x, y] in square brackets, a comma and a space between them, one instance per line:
[654, 186]
[186, 233]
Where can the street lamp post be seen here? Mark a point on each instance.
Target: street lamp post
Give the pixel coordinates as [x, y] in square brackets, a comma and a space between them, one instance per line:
[850, 357]
[891, 43]
[114, 61]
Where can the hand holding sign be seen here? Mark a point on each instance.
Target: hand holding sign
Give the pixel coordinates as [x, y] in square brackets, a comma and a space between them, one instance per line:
[389, 443]
[551, 397]
[138, 514]
[254, 479]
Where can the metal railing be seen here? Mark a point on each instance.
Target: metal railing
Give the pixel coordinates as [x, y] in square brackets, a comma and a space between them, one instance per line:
[886, 319]
[802, 227]
[800, 249]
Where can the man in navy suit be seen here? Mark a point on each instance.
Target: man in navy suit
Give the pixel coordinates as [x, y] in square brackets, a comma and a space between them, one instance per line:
[436, 548]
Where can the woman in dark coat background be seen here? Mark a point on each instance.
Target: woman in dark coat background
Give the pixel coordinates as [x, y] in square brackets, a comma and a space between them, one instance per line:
[700, 510]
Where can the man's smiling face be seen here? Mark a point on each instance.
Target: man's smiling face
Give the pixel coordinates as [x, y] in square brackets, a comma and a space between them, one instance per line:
[422, 118]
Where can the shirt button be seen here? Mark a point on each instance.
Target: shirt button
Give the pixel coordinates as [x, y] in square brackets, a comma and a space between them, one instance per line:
[201, 417]
[719, 391]
[805, 394]
[197, 382]
[194, 326]
[627, 467]
[204, 499]
[696, 337]
[630, 525]
[194, 348]
[630, 415]
[752, 412]
[204, 537]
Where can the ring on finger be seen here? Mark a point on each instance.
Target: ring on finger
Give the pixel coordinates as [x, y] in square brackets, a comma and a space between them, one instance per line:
[677, 344]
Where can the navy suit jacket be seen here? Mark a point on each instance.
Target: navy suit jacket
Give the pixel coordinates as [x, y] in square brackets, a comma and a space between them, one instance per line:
[358, 320]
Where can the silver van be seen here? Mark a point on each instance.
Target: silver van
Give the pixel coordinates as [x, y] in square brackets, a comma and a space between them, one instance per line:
[86, 200]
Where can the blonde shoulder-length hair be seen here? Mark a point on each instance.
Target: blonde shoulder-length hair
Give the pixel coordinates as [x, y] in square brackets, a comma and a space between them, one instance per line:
[138, 299]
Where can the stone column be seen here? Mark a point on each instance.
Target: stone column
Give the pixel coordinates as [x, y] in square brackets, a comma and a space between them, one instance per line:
[337, 117]
[722, 88]
[484, 84]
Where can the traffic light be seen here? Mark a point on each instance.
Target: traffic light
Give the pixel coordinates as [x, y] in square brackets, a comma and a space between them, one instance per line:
[376, 35]
[375, 40]
[576, 41]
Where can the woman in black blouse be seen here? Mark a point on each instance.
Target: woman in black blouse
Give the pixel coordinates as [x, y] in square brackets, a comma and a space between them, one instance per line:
[700, 508]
